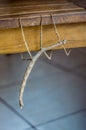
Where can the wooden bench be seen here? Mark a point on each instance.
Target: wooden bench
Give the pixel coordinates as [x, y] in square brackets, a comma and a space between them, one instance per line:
[70, 20]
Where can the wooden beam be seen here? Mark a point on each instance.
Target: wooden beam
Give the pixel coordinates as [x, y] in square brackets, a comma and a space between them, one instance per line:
[11, 39]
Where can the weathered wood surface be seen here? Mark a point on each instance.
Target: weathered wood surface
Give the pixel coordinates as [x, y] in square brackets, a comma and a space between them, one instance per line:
[30, 10]
[70, 20]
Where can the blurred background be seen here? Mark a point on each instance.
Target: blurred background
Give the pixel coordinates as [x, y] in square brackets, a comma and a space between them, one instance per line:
[54, 97]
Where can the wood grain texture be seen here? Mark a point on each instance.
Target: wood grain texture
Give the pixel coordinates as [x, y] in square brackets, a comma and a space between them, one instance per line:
[71, 20]
[11, 39]
[30, 10]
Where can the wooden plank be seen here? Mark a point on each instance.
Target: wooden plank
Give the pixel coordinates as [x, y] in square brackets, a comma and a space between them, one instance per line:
[11, 39]
[60, 18]
[63, 11]
[38, 8]
[30, 2]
